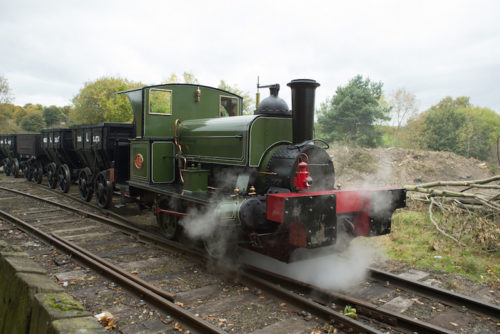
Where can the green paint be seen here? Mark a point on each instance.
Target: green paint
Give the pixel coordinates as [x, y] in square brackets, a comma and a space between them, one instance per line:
[195, 179]
[266, 131]
[163, 162]
[219, 140]
[139, 149]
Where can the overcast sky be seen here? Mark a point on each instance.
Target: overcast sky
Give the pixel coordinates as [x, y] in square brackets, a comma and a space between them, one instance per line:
[49, 49]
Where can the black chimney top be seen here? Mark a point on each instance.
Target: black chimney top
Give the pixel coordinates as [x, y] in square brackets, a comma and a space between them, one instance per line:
[303, 94]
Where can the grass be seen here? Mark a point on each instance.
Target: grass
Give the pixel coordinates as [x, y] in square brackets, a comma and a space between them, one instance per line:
[414, 240]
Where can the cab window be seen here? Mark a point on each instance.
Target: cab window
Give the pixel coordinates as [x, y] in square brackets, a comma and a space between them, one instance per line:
[160, 101]
[229, 106]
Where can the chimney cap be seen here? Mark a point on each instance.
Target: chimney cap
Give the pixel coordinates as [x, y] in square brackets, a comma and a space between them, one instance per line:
[303, 82]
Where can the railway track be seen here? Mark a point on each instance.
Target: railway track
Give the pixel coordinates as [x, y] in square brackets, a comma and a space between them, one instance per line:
[325, 305]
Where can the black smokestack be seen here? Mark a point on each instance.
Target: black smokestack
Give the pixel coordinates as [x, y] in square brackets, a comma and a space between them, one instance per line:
[303, 92]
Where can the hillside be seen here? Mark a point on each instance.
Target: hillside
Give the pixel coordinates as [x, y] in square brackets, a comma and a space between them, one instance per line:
[360, 167]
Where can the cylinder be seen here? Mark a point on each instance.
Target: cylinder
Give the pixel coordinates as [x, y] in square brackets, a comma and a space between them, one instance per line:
[303, 93]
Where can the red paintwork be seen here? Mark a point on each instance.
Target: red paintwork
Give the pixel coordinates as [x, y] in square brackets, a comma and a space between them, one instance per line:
[356, 201]
[170, 212]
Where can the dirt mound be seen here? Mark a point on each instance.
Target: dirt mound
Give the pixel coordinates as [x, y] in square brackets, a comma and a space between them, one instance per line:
[359, 167]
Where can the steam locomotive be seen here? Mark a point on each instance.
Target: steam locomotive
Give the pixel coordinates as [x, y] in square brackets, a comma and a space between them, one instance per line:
[260, 181]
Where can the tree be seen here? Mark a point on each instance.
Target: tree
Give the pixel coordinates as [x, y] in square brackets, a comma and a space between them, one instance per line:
[188, 77]
[98, 101]
[455, 125]
[403, 106]
[53, 115]
[352, 112]
[5, 93]
[7, 122]
[442, 123]
[248, 102]
[478, 134]
[34, 122]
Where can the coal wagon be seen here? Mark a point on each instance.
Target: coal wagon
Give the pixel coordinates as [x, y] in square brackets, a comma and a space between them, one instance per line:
[104, 151]
[58, 146]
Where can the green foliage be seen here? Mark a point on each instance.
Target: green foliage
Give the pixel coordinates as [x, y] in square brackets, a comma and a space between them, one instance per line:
[455, 125]
[98, 101]
[411, 136]
[5, 93]
[248, 102]
[54, 115]
[34, 122]
[351, 114]
[160, 102]
[7, 122]
[350, 311]
[442, 123]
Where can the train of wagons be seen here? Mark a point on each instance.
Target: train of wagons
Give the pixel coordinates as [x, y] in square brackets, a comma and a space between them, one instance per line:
[261, 181]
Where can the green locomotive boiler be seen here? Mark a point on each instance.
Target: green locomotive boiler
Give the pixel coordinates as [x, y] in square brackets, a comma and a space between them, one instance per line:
[260, 181]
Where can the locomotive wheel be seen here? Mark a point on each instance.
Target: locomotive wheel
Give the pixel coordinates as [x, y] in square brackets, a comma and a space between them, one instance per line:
[14, 166]
[85, 184]
[51, 175]
[6, 166]
[27, 171]
[37, 172]
[63, 178]
[169, 224]
[103, 191]
[221, 243]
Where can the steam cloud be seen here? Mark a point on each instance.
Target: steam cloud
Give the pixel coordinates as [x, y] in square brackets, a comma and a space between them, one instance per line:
[330, 270]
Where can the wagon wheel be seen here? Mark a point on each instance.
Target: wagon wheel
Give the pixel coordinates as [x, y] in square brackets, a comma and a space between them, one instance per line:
[168, 223]
[85, 184]
[6, 166]
[51, 175]
[103, 191]
[63, 178]
[27, 171]
[37, 172]
[14, 166]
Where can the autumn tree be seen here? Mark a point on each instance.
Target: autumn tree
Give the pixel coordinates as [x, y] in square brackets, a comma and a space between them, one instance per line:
[351, 114]
[98, 101]
[403, 105]
[5, 92]
[7, 122]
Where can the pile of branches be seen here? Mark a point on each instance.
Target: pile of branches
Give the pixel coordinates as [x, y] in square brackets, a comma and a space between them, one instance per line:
[467, 212]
